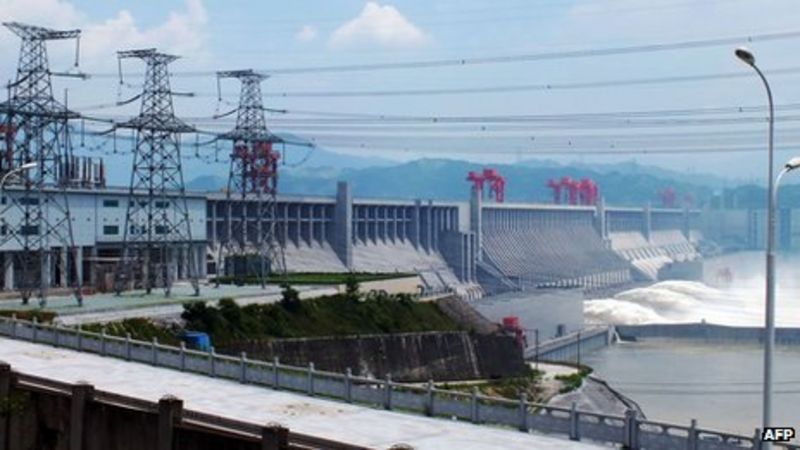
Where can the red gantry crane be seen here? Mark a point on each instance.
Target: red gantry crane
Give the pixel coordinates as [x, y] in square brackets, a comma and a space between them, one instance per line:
[477, 181]
[668, 197]
[584, 192]
[496, 182]
[588, 191]
[555, 185]
[572, 189]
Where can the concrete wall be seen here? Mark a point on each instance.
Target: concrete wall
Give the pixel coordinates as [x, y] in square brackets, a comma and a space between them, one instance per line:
[707, 332]
[48, 415]
[745, 229]
[522, 216]
[458, 249]
[547, 258]
[572, 347]
[333, 227]
[440, 356]
[682, 270]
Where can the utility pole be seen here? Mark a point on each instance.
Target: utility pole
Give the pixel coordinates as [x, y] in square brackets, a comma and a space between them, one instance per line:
[253, 175]
[157, 224]
[35, 216]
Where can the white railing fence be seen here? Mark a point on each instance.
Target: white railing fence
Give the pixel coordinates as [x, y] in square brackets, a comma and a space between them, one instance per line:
[630, 430]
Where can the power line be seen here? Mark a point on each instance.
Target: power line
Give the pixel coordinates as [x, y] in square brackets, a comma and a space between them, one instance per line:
[529, 151]
[529, 57]
[572, 141]
[594, 115]
[356, 143]
[526, 87]
[436, 130]
[367, 118]
[527, 142]
[544, 124]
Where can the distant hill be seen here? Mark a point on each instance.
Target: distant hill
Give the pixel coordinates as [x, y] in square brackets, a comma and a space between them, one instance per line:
[206, 183]
[446, 180]
[626, 183]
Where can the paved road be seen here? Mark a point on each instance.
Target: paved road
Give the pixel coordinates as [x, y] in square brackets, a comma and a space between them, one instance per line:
[329, 419]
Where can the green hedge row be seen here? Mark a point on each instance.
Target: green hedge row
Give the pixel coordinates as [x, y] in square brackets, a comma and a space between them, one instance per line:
[311, 278]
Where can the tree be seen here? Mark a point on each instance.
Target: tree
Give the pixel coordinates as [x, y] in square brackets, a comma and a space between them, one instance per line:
[351, 287]
[290, 297]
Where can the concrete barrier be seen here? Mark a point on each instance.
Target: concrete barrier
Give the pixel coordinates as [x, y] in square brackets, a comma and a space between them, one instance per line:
[100, 419]
[707, 332]
[570, 347]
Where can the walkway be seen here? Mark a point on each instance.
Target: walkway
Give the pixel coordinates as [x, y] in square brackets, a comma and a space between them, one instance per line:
[324, 418]
[110, 307]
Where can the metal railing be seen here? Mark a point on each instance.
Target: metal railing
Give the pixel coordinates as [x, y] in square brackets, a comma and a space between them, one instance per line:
[629, 430]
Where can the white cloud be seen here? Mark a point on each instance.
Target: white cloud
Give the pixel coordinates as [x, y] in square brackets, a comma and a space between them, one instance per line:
[381, 26]
[183, 32]
[54, 13]
[306, 34]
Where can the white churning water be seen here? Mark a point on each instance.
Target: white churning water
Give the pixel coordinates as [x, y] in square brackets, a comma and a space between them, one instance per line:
[740, 303]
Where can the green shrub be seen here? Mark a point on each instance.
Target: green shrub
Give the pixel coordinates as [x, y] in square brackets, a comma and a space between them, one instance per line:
[511, 388]
[139, 328]
[312, 278]
[30, 314]
[290, 297]
[351, 287]
[574, 380]
[335, 315]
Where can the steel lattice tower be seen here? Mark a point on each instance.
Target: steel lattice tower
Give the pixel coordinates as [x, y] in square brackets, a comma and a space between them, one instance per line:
[253, 175]
[157, 224]
[37, 219]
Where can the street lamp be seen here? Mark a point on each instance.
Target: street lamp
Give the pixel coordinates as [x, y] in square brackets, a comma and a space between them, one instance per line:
[769, 338]
[23, 168]
[790, 165]
[18, 170]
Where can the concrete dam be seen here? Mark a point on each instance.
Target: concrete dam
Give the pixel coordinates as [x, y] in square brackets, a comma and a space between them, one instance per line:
[470, 248]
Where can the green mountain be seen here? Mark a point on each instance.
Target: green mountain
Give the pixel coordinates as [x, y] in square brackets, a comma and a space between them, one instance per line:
[446, 180]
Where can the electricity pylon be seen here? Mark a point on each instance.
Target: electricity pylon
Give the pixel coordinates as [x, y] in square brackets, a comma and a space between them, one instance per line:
[35, 219]
[252, 247]
[158, 229]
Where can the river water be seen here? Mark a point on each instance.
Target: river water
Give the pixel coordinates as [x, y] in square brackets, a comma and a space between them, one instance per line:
[719, 385]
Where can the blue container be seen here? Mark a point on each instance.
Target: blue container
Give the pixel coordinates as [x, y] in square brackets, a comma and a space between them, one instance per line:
[197, 340]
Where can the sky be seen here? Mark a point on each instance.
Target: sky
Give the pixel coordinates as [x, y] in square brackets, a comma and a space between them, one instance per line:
[273, 35]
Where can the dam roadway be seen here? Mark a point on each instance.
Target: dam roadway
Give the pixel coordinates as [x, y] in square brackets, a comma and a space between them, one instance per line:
[324, 418]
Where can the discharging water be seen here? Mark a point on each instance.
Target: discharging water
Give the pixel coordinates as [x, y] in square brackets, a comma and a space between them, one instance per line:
[720, 385]
[738, 302]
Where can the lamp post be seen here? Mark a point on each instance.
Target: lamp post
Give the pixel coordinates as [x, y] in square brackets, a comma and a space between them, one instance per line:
[769, 339]
[18, 170]
[23, 168]
[790, 165]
